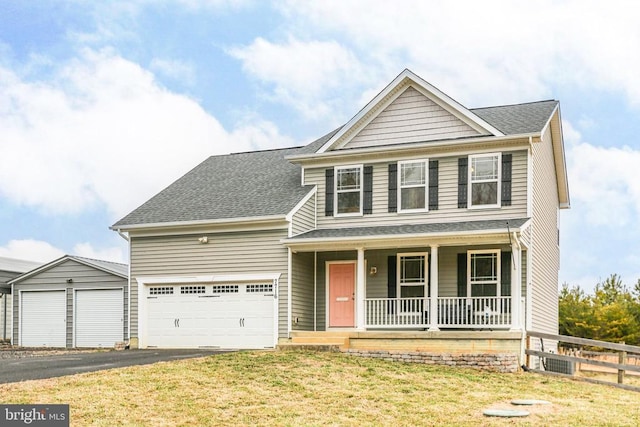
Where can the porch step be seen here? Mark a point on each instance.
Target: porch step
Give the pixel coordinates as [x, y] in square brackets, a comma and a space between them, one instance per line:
[340, 339]
[308, 347]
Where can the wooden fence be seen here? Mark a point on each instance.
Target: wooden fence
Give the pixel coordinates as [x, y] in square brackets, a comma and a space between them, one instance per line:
[622, 366]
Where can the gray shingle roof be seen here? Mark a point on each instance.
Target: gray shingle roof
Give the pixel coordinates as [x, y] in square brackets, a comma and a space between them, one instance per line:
[411, 229]
[260, 183]
[263, 183]
[520, 118]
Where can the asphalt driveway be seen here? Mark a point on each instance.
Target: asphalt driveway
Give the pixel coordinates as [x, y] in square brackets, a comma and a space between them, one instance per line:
[40, 367]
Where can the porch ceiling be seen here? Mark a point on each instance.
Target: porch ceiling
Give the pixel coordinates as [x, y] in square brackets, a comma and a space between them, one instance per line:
[445, 234]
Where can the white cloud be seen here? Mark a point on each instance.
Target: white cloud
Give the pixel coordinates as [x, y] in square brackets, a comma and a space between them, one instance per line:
[175, 70]
[103, 132]
[309, 76]
[603, 181]
[31, 250]
[482, 53]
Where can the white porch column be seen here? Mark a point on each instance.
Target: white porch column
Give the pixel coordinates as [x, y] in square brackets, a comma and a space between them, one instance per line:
[433, 287]
[516, 287]
[360, 290]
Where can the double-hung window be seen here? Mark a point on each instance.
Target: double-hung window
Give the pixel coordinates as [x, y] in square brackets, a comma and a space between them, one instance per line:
[483, 273]
[412, 176]
[484, 179]
[348, 190]
[412, 280]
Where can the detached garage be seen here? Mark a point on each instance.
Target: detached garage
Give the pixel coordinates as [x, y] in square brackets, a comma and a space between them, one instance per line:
[71, 302]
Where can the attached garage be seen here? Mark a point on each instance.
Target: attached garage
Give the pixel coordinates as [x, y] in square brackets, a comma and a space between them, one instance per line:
[234, 315]
[43, 319]
[71, 302]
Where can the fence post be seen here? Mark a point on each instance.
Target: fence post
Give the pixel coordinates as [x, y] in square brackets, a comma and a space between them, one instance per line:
[622, 359]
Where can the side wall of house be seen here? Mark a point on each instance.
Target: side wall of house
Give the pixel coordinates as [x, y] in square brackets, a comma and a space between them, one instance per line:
[55, 278]
[447, 211]
[182, 255]
[305, 218]
[544, 235]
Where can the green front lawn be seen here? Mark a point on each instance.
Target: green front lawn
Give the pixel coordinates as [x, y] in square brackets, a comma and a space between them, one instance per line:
[290, 388]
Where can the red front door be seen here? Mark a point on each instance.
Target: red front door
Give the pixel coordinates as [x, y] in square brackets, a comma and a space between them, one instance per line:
[342, 280]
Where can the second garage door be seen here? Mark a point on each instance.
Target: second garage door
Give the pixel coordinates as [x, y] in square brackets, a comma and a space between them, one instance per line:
[237, 315]
[43, 319]
[99, 317]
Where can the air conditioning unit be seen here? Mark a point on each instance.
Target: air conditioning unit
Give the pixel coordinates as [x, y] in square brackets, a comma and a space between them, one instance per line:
[560, 366]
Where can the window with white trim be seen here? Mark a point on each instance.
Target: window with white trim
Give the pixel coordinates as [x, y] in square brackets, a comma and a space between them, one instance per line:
[348, 190]
[483, 271]
[484, 180]
[412, 275]
[412, 177]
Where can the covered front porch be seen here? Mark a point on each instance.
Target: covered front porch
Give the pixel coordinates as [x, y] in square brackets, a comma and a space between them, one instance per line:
[469, 280]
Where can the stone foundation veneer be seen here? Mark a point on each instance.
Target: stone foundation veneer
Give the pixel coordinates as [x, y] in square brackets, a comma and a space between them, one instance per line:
[498, 362]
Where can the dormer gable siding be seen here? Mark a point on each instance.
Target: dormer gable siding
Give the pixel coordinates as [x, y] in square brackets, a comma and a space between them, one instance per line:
[412, 117]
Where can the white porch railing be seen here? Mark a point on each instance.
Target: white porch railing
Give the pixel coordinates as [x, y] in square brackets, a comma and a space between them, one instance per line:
[474, 312]
[464, 312]
[397, 312]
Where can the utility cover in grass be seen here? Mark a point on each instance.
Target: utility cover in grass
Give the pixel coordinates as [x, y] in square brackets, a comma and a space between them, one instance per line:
[505, 413]
[529, 402]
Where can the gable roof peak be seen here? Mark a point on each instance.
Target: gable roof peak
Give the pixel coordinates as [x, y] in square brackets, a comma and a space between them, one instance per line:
[393, 90]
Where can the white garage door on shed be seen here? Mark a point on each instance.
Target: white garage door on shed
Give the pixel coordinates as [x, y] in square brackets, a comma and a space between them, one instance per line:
[43, 319]
[234, 315]
[99, 317]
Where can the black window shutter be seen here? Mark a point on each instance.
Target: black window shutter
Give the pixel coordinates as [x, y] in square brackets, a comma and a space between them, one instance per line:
[368, 190]
[506, 179]
[462, 182]
[433, 185]
[328, 200]
[393, 187]
[505, 274]
[391, 283]
[462, 274]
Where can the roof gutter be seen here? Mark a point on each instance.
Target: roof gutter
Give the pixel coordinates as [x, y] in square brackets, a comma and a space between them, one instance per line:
[222, 221]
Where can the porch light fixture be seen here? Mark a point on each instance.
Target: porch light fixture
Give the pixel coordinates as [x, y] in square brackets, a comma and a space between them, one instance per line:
[203, 239]
[373, 271]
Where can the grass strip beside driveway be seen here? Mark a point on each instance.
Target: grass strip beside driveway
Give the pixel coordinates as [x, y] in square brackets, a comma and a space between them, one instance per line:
[291, 388]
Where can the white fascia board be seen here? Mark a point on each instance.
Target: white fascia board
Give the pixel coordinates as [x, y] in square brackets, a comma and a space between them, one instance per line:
[181, 224]
[458, 145]
[305, 199]
[432, 92]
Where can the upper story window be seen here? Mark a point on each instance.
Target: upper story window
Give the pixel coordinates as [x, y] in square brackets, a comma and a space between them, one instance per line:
[348, 190]
[483, 273]
[484, 179]
[412, 176]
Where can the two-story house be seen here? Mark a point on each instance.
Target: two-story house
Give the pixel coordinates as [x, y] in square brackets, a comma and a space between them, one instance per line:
[419, 225]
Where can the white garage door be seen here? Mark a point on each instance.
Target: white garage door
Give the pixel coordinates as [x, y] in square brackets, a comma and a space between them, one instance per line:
[43, 319]
[99, 317]
[205, 315]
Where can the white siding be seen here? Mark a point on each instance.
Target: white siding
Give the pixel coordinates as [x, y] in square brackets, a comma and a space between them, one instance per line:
[226, 253]
[412, 117]
[544, 229]
[447, 211]
[304, 219]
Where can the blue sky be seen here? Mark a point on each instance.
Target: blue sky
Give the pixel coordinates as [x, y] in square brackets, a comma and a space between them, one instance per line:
[103, 105]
